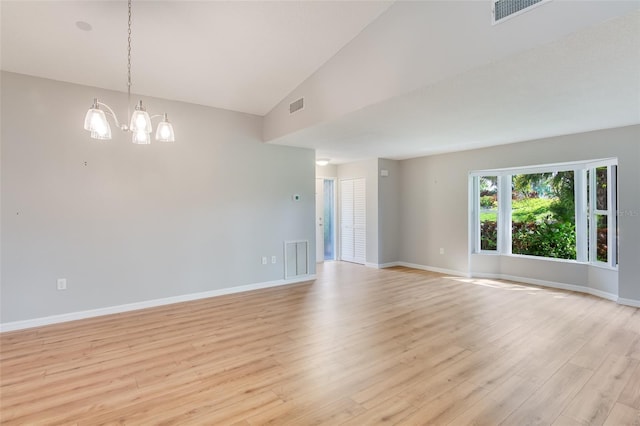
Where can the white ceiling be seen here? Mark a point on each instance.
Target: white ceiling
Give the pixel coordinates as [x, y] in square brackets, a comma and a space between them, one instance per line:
[585, 81]
[238, 55]
[556, 77]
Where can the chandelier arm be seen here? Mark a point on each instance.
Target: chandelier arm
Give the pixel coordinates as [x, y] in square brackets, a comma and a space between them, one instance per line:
[113, 115]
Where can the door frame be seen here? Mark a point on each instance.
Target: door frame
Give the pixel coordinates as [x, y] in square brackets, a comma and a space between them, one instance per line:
[336, 223]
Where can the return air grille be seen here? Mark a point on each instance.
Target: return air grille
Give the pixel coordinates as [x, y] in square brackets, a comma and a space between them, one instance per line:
[296, 258]
[502, 9]
[296, 106]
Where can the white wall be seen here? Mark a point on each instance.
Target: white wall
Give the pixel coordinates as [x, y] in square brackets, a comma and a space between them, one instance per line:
[435, 209]
[367, 169]
[125, 223]
[328, 171]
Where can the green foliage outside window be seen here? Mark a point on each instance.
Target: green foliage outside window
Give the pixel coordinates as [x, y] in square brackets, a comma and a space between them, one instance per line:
[543, 216]
[548, 229]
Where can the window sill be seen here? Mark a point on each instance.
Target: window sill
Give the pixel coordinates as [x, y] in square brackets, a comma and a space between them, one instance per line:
[548, 259]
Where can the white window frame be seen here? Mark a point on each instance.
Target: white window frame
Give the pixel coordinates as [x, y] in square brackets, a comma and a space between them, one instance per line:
[476, 216]
[585, 214]
[610, 213]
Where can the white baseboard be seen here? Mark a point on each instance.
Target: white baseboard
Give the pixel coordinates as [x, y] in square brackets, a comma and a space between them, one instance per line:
[432, 269]
[525, 280]
[381, 265]
[629, 302]
[72, 316]
[552, 284]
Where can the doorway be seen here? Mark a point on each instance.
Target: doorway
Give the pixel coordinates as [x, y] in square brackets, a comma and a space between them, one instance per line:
[325, 219]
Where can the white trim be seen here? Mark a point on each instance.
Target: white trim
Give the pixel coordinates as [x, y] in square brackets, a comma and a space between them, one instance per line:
[432, 269]
[372, 265]
[505, 239]
[472, 228]
[602, 265]
[335, 222]
[388, 265]
[629, 302]
[552, 284]
[72, 316]
[334, 218]
[546, 168]
[593, 231]
[612, 206]
[581, 202]
[546, 259]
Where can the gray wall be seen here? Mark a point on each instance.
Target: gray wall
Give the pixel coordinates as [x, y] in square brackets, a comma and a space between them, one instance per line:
[435, 208]
[383, 205]
[389, 202]
[137, 223]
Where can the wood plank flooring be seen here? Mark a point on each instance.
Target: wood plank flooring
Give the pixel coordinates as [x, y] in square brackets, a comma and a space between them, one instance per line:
[358, 346]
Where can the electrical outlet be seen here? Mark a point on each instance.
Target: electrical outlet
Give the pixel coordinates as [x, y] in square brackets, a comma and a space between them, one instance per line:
[441, 250]
[62, 284]
[273, 259]
[264, 260]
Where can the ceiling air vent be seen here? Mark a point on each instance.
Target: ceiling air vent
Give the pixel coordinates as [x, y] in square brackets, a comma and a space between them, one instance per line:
[504, 9]
[296, 106]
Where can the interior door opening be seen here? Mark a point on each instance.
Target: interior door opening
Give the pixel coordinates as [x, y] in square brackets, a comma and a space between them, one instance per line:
[325, 220]
[329, 220]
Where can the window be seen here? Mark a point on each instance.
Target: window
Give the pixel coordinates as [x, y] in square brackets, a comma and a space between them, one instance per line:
[488, 213]
[602, 214]
[562, 211]
[543, 215]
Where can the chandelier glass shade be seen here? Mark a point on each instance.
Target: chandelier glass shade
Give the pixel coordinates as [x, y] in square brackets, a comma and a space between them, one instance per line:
[139, 124]
[164, 132]
[96, 122]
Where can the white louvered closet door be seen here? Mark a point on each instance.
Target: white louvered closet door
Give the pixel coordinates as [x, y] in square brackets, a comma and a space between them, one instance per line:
[353, 220]
[359, 221]
[346, 220]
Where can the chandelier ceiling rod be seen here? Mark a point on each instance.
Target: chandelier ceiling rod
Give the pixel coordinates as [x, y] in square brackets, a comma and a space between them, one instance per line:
[129, 61]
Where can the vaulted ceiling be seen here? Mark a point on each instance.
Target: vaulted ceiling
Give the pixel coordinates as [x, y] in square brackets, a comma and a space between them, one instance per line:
[379, 79]
[238, 55]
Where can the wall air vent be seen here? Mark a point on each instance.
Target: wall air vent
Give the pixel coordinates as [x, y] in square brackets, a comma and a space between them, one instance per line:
[296, 106]
[505, 9]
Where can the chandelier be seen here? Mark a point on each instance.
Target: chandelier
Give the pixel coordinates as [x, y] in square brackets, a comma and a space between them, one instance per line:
[139, 123]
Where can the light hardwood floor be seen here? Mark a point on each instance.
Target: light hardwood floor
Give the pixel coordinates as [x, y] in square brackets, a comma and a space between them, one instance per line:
[358, 346]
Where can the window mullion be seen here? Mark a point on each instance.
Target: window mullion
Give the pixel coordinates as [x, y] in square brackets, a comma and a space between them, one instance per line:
[582, 245]
[504, 214]
[593, 231]
[476, 207]
[612, 216]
